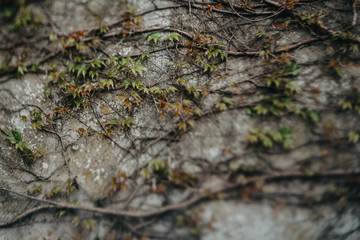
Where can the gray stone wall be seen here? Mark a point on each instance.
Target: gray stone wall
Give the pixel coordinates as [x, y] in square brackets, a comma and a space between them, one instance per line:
[179, 120]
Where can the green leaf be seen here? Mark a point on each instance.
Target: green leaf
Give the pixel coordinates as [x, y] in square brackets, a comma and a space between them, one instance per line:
[209, 67]
[198, 111]
[196, 94]
[156, 89]
[53, 37]
[113, 59]
[35, 115]
[81, 70]
[138, 68]
[128, 122]
[338, 71]
[228, 100]
[182, 126]
[264, 55]
[276, 136]
[155, 37]
[145, 173]
[112, 122]
[98, 63]
[260, 110]
[113, 73]
[78, 102]
[212, 52]
[126, 83]
[288, 143]
[187, 102]
[267, 142]
[353, 137]
[345, 104]
[124, 62]
[172, 89]
[71, 67]
[76, 221]
[21, 70]
[14, 136]
[221, 106]
[174, 35]
[293, 69]
[145, 55]
[107, 83]
[93, 74]
[90, 223]
[286, 132]
[170, 63]
[138, 85]
[250, 111]
[234, 166]
[55, 191]
[156, 164]
[35, 190]
[252, 138]
[261, 34]
[314, 116]
[291, 89]
[190, 122]
[52, 66]
[104, 29]
[224, 55]
[59, 213]
[35, 67]
[23, 146]
[181, 64]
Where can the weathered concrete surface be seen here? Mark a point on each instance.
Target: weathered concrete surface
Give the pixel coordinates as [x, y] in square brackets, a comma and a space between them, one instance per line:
[215, 150]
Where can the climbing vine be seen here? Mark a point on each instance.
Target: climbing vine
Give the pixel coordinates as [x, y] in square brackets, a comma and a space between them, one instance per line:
[188, 75]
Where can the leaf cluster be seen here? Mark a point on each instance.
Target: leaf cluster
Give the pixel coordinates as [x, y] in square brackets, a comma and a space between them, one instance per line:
[268, 138]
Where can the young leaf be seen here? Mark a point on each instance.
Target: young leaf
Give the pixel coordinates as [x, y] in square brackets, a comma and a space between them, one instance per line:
[291, 89]
[138, 68]
[267, 142]
[353, 137]
[154, 37]
[293, 69]
[98, 63]
[288, 143]
[145, 55]
[35, 67]
[228, 100]
[172, 89]
[182, 126]
[76, 221]
[81, 70]
[14, 136]
[174, 35]
[209, 67]
[126, 83]
[170, 63]
[21, 70]
[59, 213]
[127, 123]
[112, 122]
[260, 110]
[35, 190]
[90, 223]
[221, 106]
[55, 191]
[314, 116]
[145, 173]
[23, 146]
[71, 67]
[113, 59]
